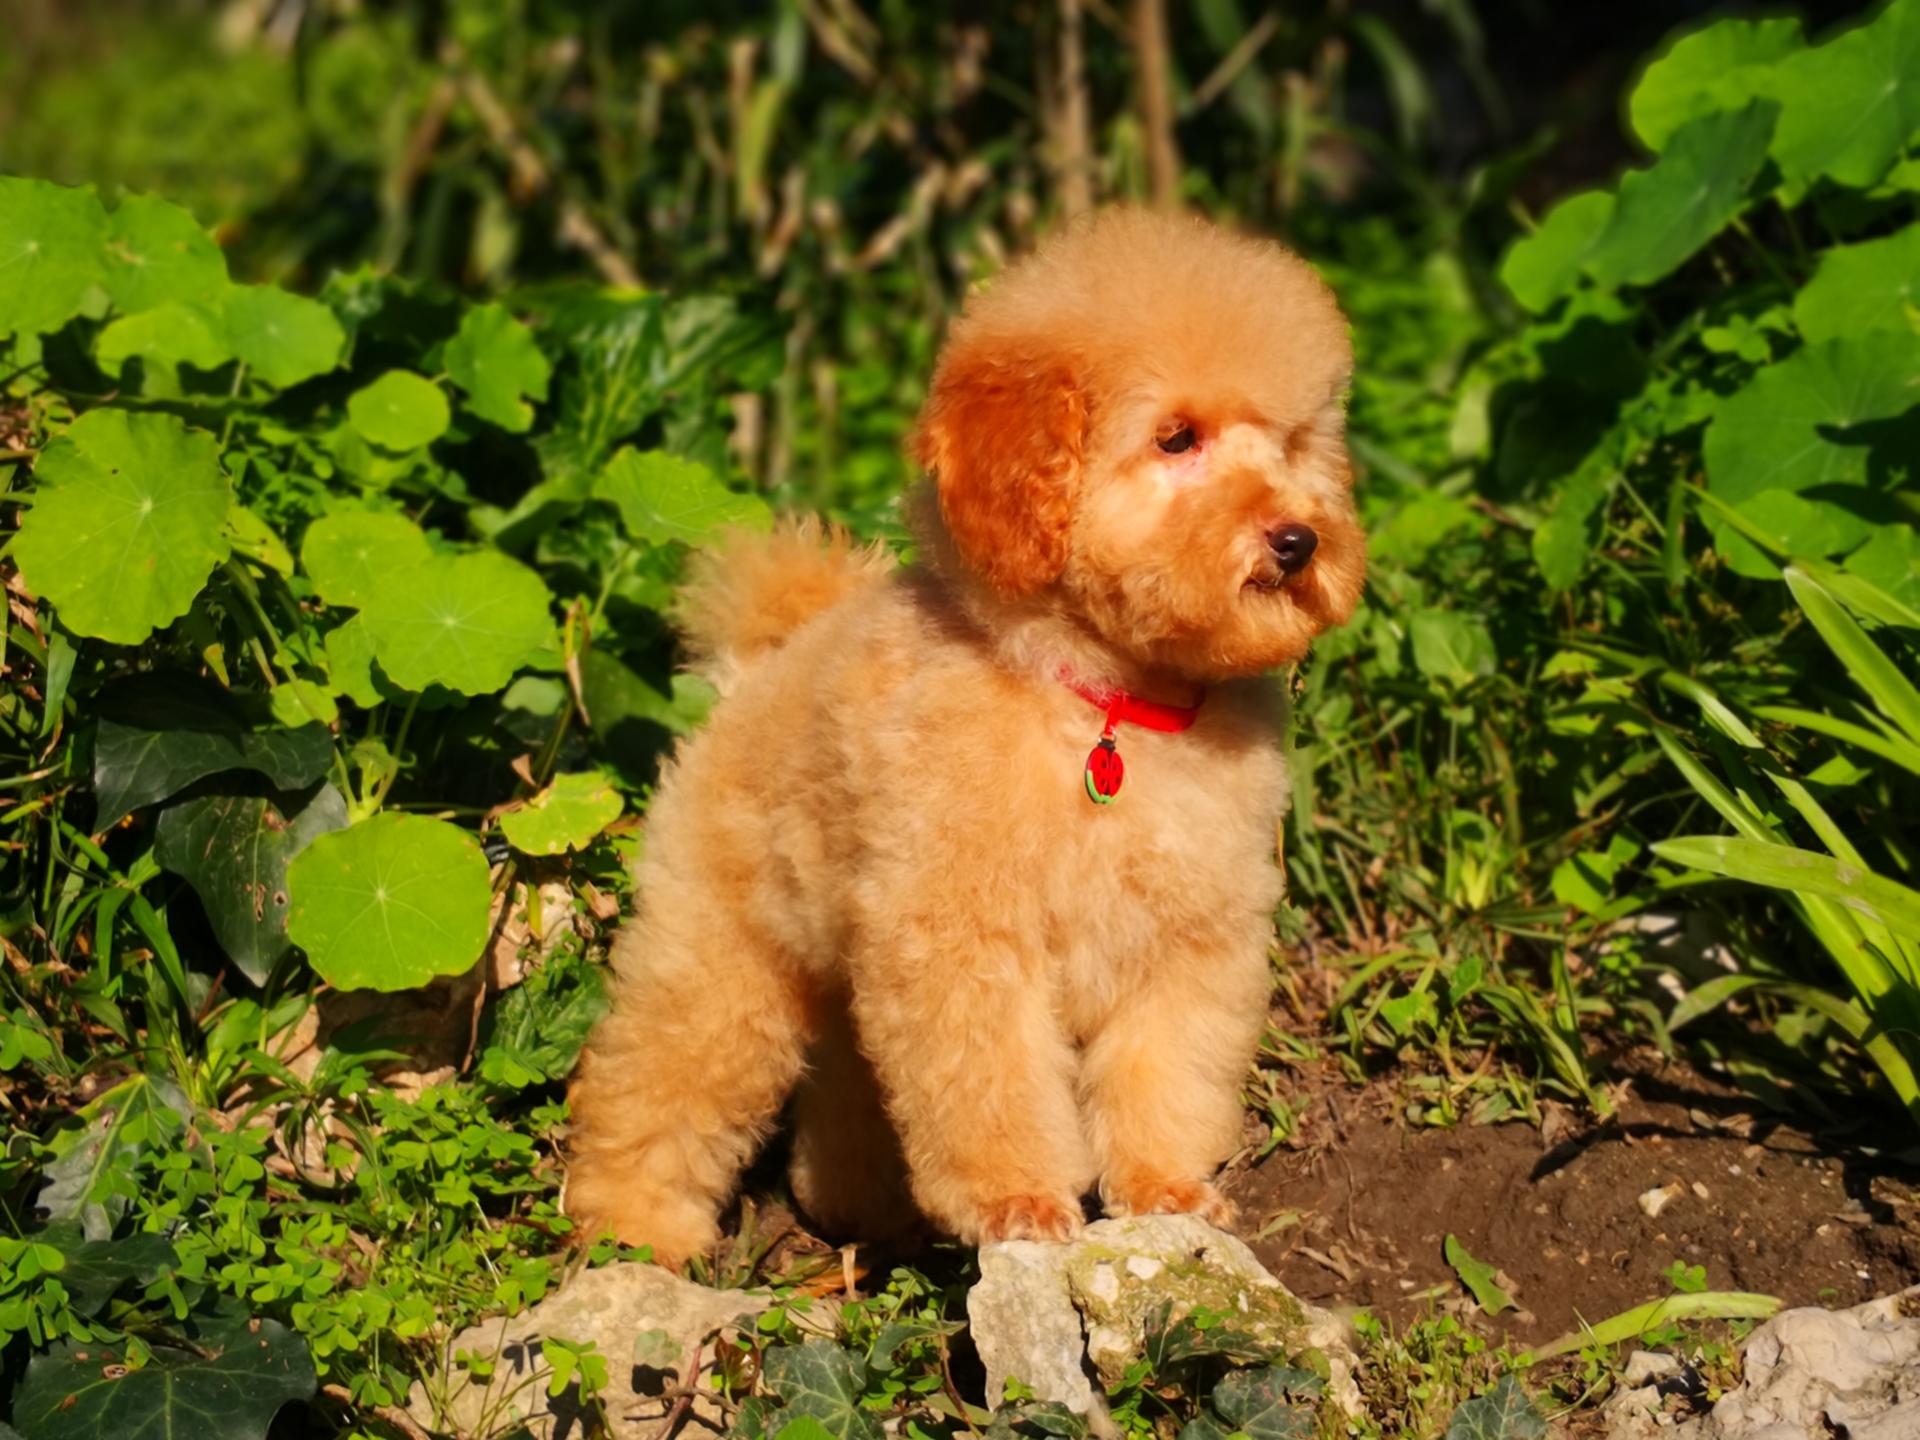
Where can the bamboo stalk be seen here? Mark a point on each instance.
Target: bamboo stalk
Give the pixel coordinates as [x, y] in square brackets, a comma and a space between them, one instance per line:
[1151, 61]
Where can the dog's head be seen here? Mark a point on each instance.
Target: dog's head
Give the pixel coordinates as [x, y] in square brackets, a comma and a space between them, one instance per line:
[1144, 422]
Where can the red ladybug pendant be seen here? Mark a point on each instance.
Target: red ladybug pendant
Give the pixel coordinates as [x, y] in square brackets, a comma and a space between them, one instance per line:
[1105, 772]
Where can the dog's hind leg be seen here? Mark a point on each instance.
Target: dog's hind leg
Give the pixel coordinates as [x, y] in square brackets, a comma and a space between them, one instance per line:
[848, 1173]
[683, 1079]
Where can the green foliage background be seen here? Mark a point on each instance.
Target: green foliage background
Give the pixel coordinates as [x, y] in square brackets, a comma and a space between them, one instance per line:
[369, 370]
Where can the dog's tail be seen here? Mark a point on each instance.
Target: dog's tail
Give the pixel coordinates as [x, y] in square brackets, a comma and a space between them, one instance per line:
[746, 597]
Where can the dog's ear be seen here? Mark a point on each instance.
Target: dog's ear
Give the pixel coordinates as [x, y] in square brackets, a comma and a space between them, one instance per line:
[1002, 435]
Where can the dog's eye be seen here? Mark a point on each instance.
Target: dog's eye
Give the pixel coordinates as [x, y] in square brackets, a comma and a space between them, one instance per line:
[1179, 442]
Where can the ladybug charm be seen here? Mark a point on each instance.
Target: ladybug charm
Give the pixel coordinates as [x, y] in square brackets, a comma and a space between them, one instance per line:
[1105, 772]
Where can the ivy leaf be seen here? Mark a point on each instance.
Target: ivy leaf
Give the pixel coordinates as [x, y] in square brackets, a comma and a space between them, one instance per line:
[1452, 648]
[89, 1179]
[1543, 266]
[1851, 105]
[128, 520]
[1665, 213]
[1503, 1413]
[173, 335]
[1478, 1277]
[820, 1381]
[399, 411]
[234, 850]
[495, 360]
[157, 254]
[463, 621]
[389, 903]
[350, 554]
[50, 239]
[187, 734]
[95, 1270]
[564, 816]
[1721, 67]
[1788, 428]
[1862, 288]
[227, 1388]
[1264, 1404]
[662, 497]
[283, 338]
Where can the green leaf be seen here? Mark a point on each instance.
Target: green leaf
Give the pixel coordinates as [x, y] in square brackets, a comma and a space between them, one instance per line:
[50, 242]
[399, 411]
[1543, 266]
[350, 664]
[283, 338]
[157, 254]
[1852, 104]
[1631, 1324]
[350, 554]
[1862, 288]
[253, 539]
[564, 816]
[662, 497]
[1665, 213]
[193, 738]
[495, 360]
[1503, 1413]
[1565, 540]
[174, 335]
[229, 1387]
[1867, 665]
[1478, 1277]
[302, 702]
[128, 520]
[96, 1270]
[1804, 872]
[234, 850]
[463, 621]
[1450, 647]
[89, 1177]
[1792, 429]
[822, 1382]
[1890, 562]
[1721, 67]
[390, 903]
[1264, 1404]
[539, 1026]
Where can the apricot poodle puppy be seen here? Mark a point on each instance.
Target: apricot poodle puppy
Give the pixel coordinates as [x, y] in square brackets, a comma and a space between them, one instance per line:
[975, 859]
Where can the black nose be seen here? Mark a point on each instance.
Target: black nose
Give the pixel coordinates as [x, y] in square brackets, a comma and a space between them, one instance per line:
[1293, 547]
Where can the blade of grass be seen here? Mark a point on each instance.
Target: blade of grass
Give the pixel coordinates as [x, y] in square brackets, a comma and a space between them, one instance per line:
[1630, 1324]
[1786, 867]
[1868, 665]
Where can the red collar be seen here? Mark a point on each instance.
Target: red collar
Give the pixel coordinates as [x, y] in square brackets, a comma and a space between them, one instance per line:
[1123, 708]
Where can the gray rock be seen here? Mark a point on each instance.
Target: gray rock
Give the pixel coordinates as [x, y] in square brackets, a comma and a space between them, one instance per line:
[646, 1321]
[1810, 1374]
[1066, 1320]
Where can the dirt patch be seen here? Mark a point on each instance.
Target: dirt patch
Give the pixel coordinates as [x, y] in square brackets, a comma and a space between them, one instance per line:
[1357, 1214]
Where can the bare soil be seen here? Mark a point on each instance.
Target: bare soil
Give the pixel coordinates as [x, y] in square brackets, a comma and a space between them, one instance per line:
[1357, 1211]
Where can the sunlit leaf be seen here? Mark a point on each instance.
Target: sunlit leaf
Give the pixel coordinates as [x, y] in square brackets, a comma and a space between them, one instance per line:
[1720, 67]
[389, 903]
[662, 497]
[564, 816]
[1543, 266]
[1850, 106]
[1859, 288]
[463, 621]
[175, 335]
[820, 1381]
[88, 1177]
[350, 554]
[400, 411]
[128, 520]
[50, 243]
[495, 360]
[283, 338]
[157, 254]
[1503, 1413]
[1478, 1277]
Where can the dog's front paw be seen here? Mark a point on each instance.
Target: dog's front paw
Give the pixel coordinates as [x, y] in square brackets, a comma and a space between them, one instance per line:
[1150, 1196]
[1029, 1217]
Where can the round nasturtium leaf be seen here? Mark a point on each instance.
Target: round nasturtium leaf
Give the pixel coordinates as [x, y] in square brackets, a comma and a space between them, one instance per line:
[1871, 286]
[463, 621]
[1720, 67]
[399, 411]
[495, 360]
[351, 553]
[50, 239]
[662, 497]
[564, 816]
[283, 338]
[1850, 105]
[350, 664]
[389, 903]
[1543, 266]
[157, 254]
[193, 335]
[128, 520]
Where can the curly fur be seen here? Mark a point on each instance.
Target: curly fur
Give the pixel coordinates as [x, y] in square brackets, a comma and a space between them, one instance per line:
[875, 878]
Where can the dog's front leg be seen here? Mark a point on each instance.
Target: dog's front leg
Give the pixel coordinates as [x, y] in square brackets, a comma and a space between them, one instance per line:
[953, 1007]
[1161, 1080]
